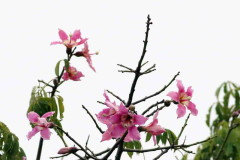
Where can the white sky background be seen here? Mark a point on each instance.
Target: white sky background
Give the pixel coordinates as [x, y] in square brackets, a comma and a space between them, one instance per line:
[198, 38]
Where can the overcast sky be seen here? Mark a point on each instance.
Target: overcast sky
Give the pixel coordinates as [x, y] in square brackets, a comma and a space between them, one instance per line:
[198, 38]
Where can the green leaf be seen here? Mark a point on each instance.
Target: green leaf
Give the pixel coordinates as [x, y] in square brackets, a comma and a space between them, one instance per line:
[226, 99]
[218, 90]
[148, 137]
[171, 136]
[57, 68]
[208, 116]
[129, 145]
[137, 144]
[61, 106]
[185, 156]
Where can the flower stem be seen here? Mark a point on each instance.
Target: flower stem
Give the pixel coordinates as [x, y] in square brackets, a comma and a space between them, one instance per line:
[39, 149]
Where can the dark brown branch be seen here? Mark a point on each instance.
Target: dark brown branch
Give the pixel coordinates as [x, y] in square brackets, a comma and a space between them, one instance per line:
[167, 147]
[153, 105]
[155, 94]
[95, 122]
[120, 99]
[138, 69]
[162, 153]
[114, 146]
[74, 141]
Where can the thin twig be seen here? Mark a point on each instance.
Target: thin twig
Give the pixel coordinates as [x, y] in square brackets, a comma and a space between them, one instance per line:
[153, 105]
[155, 94]
[130, 69]
[120, 99]
[162, 153]
[167, 147]
[95, 122]
[138, 69]
[183, 127]
[114, 146]
[79, 145]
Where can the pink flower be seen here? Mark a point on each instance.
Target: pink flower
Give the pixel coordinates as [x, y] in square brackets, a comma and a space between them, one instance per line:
[66, 150]
[72, 74]
[183, 98]
[123, 121]
[71, 40]
[41, 125]
[105, 114]
[24, 158]
[85, 53]
[153, 128]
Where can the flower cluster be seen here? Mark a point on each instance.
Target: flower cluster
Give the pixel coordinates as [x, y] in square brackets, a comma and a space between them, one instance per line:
[120, 119]
[71, 41]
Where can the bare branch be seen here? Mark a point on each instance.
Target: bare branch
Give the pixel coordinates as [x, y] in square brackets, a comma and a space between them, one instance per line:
[120, 99]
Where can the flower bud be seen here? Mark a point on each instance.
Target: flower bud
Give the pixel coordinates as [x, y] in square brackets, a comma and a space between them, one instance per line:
[131, 108]
[51, 125]
[235, 114]
[79, 54]
[66, 150]
[167, 103]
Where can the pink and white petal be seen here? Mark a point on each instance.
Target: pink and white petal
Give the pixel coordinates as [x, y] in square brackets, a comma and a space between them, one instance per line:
[123, 109]
[76, 35]
[116, 118]
[82, 41]
[118, 131]
[181, 111]
[189, 91]
[48, 114]
[33, 117]
[155, 115]
[106, 135]
[134, 133]
[139, 119]
[63, 36]
[191, 106]
[154, 139]
[106, 96]
[65, 76]
[45, 133]
[32, 133]
[90, 63]
[53, 43]
[174, 96]
[180, 86]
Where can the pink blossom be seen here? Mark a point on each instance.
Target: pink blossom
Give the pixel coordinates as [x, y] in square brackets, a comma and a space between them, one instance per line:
[66, 150]
[183, 98]
[153, 128]
[71, 40]
[24, 158]
[123, 121]
[85, 53]
[72, 74]
[40, 125]
[105, 114]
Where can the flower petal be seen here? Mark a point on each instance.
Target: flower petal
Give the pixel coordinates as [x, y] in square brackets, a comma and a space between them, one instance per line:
[63, 36]
[33, 117]
[106, 135]
[76, 35]
[89, 60]
[180, 86]
[45, 133]
[48, 114]
[181, 111]
[189, 91]
[140, 119]
[191, 106]
[154, 139]
[32, 133]
[118, 131]
[174, 96]
[133, 134]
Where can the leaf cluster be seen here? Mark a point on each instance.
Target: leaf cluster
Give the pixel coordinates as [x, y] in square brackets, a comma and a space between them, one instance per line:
[228, 101]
